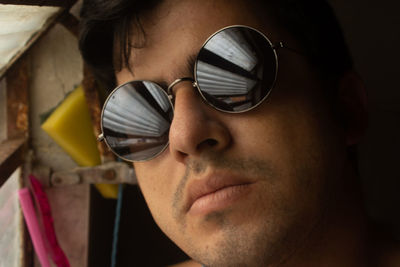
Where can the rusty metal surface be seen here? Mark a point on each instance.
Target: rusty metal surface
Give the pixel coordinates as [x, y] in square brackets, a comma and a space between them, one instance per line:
[93, 100]
[17, 80]
[108, 173]
[12, 150]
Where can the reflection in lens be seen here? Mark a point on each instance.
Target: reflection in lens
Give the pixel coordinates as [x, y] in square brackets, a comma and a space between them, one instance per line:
[219, 82]
[136, 120]
[236, 69]
[232, 46]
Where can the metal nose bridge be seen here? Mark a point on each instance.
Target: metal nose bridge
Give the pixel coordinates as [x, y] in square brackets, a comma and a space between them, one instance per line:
[169, 90]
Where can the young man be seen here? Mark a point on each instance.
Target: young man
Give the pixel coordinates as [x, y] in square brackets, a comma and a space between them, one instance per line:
[254, 167]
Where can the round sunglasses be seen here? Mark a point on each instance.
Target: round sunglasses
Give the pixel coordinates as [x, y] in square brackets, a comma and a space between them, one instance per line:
[234, 72]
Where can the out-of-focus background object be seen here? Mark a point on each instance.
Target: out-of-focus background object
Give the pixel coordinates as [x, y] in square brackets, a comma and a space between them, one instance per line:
[20, 26]
[12, 235]
[70, 126]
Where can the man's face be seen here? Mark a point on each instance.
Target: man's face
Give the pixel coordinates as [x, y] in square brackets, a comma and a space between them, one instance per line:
[235, 189]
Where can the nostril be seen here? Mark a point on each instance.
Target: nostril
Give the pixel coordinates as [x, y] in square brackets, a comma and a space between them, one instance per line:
[208, 142]
[211, 142]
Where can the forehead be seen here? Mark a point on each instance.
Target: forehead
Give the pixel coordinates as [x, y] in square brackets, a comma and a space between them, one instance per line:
[176, 29]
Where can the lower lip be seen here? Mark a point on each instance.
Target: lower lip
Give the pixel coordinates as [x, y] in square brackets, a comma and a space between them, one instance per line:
[219, 199]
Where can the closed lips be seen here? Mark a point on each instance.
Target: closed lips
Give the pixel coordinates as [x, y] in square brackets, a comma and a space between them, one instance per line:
[214, 188]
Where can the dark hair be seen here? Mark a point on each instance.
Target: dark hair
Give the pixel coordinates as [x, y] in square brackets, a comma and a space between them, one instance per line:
[106, 23]
[316, 28]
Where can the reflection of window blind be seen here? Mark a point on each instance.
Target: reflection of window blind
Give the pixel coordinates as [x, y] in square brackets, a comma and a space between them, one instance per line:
[216, 81]
[128, 112]
[144, 153]
[231, 45]
[116, 142]
[158, 95]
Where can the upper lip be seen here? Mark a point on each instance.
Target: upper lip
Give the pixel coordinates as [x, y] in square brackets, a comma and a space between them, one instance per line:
[210, 184]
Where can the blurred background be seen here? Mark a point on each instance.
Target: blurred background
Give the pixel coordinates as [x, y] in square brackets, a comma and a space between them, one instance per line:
[372, 30]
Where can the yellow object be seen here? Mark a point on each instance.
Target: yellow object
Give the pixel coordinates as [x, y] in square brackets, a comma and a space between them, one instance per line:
[71, 128]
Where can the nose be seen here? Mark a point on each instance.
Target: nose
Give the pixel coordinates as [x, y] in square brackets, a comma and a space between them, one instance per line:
[196, 127]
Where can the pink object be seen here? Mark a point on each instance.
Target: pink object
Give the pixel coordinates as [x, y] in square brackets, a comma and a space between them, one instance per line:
[57, 254]
[33, 226]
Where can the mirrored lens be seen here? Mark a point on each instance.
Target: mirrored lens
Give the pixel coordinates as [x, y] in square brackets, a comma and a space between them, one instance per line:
[136, 120]
[236, 69]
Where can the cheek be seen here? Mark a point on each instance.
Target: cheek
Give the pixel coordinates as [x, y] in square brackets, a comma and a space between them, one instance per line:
[152, 183]
[294, 136]
[276, 137]
[304, 158]
[157, 186]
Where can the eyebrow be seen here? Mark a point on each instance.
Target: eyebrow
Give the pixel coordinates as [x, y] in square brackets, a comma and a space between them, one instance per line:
[190, 62]
[182, 72]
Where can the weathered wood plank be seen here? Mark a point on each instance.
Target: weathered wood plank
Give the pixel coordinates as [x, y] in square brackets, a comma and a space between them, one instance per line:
[91, 90]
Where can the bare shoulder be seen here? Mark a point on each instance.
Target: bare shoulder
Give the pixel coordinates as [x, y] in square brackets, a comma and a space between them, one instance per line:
[187, 264]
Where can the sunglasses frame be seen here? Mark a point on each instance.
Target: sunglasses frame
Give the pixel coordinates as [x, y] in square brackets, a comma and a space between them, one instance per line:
[273, 47]
[169, 93]
[101, 136]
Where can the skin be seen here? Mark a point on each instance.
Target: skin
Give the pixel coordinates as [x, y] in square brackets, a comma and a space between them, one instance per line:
[300, 206]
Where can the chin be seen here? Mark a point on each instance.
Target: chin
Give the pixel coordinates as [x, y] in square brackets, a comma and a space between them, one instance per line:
[258, 240]
[231, 245]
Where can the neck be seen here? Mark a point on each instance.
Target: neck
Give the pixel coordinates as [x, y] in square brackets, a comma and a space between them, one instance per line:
[340, 239]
